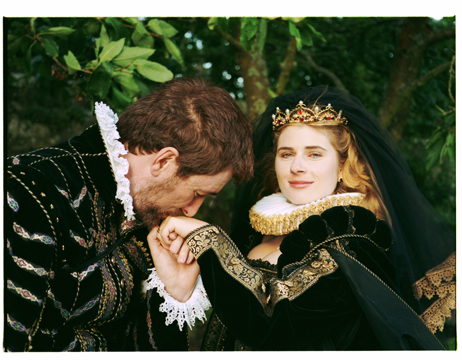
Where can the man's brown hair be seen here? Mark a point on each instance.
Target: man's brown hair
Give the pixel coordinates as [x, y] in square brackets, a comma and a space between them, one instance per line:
[199, 119]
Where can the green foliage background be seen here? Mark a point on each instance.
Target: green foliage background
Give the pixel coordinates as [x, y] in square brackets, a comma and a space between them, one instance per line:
[56, 68]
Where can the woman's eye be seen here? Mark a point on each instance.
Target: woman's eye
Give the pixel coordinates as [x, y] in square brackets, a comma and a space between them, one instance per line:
[315, 155]
[286, 155]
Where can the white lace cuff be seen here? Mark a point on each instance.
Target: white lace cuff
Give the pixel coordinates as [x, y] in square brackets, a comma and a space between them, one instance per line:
[188, 311]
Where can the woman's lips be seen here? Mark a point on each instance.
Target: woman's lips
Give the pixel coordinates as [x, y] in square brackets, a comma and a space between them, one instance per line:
[300, 184]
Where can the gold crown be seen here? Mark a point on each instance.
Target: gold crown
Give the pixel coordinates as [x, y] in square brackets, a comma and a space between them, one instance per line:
[303, 114]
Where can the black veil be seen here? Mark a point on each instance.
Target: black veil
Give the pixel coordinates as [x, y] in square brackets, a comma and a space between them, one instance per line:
[421, 238]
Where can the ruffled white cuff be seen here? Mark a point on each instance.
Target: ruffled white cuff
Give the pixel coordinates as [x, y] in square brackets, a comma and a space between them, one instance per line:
[188, 311]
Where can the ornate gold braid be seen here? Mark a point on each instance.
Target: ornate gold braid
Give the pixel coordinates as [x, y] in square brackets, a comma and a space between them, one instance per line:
[210, 237]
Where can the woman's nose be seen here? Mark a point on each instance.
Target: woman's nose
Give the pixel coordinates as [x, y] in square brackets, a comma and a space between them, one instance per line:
[298, 166]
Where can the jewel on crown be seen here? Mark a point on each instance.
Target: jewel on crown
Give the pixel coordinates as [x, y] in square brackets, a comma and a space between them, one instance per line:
[303, 114]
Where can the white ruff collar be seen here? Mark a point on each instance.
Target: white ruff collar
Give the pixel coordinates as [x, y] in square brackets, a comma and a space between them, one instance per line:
[107, 120]
[275, 215]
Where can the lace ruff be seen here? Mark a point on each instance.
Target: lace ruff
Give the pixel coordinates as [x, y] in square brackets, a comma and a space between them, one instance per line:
[188, 311]
[274, 215]
[107, 120]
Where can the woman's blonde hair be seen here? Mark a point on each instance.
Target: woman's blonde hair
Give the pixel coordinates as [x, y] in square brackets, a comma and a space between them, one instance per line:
[357, 175]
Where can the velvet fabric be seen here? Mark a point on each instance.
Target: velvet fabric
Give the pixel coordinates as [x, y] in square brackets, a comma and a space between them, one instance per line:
[73, 265]
[355, 307]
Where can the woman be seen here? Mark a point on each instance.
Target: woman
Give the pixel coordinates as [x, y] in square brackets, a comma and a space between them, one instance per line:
[338, 249]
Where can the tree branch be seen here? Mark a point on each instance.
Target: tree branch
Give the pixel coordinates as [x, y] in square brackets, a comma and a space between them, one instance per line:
[235, 42]
[407, 92]
[311, 63]
[287, 65]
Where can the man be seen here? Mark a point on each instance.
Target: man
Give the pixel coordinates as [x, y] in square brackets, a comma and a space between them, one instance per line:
[78, 214]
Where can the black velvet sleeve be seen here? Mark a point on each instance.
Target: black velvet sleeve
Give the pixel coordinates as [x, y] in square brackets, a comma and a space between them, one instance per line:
[333, 273]
[313, 308]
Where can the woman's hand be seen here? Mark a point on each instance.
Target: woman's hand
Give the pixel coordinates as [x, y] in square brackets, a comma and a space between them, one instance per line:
[172, 232]
[179, 278]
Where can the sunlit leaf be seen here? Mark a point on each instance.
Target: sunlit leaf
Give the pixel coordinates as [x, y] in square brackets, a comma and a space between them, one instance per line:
[174, 51]
[153, 71]
[130, 54]
[100, 80]
[51, 47]
[296, 33]
[162, 28]
[111, 50]
[72, 63]
[57, 31]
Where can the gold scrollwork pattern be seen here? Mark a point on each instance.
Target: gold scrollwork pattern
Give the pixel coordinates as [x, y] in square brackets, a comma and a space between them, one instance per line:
[301, 279]
[234, 263]
[231, 259]
[438, 281]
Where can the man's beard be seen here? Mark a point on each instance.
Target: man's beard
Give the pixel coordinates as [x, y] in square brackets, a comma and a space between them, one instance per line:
[146, 207]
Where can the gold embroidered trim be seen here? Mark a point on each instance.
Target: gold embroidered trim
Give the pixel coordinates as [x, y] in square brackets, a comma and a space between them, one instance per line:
[301, 279]
[438, 281]
[281, 224]
[234, 263]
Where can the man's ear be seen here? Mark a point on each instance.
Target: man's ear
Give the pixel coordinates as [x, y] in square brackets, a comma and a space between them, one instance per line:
[165, 162]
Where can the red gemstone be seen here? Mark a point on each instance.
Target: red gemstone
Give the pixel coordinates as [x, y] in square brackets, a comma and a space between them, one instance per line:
[277, 122]
[300, 112]
[301, 119]
[328, 118]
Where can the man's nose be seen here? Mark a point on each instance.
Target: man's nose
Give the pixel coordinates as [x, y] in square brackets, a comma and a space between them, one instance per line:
[191, 209]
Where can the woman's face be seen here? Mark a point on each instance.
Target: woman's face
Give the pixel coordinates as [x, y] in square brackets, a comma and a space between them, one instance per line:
[307, 165]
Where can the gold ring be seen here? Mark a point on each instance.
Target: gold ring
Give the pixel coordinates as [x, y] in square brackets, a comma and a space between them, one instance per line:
[163, 223]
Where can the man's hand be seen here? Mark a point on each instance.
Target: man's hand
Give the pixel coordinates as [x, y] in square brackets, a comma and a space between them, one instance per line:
[179, 278]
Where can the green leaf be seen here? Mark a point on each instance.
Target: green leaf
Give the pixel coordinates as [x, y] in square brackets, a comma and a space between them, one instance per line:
[111, 50]
[72, 63]
[212, 23]
[91, 65]
[121, 100]
[91, 27]
[433, 146]
[162, 28]
[57, 31]
[14, 46]
[261, 35]
[51, 47]
[153, 71]
[296, 33]
[452, 147]
[32, 24]
[317, 33]
[128, 83]
[130, 54]
[100, 80]
[249, 27]
[141, 37]
[174, 51]
[116, 29]
[306, 36]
